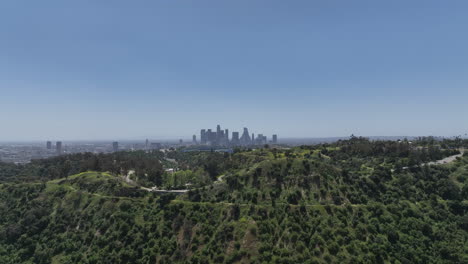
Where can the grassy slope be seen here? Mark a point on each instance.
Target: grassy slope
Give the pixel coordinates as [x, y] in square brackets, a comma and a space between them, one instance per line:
[82, 219]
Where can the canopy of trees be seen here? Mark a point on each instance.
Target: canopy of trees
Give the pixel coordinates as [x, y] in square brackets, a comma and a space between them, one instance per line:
[354, 201]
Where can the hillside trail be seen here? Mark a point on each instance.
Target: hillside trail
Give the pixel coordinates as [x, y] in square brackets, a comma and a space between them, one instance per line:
[443, 161]
[446, 160]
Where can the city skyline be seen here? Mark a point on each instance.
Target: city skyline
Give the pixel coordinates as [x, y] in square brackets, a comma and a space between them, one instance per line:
[188, 138]
[221, 137]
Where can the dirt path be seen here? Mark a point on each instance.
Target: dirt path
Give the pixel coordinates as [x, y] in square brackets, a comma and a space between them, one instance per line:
[154, 189]
[127, 177]
[447, 159]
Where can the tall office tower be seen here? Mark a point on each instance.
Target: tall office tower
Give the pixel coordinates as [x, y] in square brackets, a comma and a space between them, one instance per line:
[58, 147]
[209, 136]
[226, 136]
[194, 139]
[220, 140]
[147, 144]
[213, 138]
[235, 138]
[218, 134]
[275, 139]
[253, 138]
[259, 139]
[203, 136]
[181, 141]
[115, 146]
[245, 139]
[49, 145]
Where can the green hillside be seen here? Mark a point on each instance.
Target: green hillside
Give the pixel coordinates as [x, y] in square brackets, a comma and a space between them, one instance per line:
[354, 201]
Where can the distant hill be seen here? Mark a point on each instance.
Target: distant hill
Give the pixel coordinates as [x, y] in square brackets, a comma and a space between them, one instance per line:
[319, 140]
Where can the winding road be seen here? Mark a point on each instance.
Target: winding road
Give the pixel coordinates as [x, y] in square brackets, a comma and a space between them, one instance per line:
[220, 178]
[443, 161]
[447, 159]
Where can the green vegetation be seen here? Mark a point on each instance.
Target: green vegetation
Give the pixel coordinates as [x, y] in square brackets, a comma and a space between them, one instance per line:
[354, 201]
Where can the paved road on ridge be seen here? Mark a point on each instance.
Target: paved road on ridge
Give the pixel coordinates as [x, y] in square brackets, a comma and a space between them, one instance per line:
[446, 160]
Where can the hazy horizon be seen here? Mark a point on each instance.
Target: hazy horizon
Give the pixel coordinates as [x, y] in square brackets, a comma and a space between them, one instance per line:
[91, 70]
[189, 139]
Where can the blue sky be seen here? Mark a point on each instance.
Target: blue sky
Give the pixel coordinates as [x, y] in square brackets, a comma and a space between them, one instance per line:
[159, 69]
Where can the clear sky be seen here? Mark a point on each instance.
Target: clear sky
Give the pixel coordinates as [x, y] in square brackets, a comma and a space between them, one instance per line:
[117, 69]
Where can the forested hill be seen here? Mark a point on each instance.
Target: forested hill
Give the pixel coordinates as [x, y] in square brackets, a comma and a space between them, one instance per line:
[354, 201]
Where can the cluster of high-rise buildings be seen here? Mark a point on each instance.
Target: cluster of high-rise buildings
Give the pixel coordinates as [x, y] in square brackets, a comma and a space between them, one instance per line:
[58, 146]
[220, 137]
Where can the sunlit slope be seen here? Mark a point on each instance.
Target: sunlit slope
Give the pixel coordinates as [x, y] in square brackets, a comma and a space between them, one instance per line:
[302, 205]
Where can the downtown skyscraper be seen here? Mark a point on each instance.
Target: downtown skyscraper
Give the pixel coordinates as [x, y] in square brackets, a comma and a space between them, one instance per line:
[220, 137]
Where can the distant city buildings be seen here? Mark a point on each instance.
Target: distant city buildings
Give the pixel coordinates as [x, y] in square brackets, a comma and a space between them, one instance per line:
[245, 138]
[21, 153]
[115, 146]
[235, 139]
[156, 146]
[203, 136]
[221, 138]
[58, 147]
[261, 139]
[218, 139]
